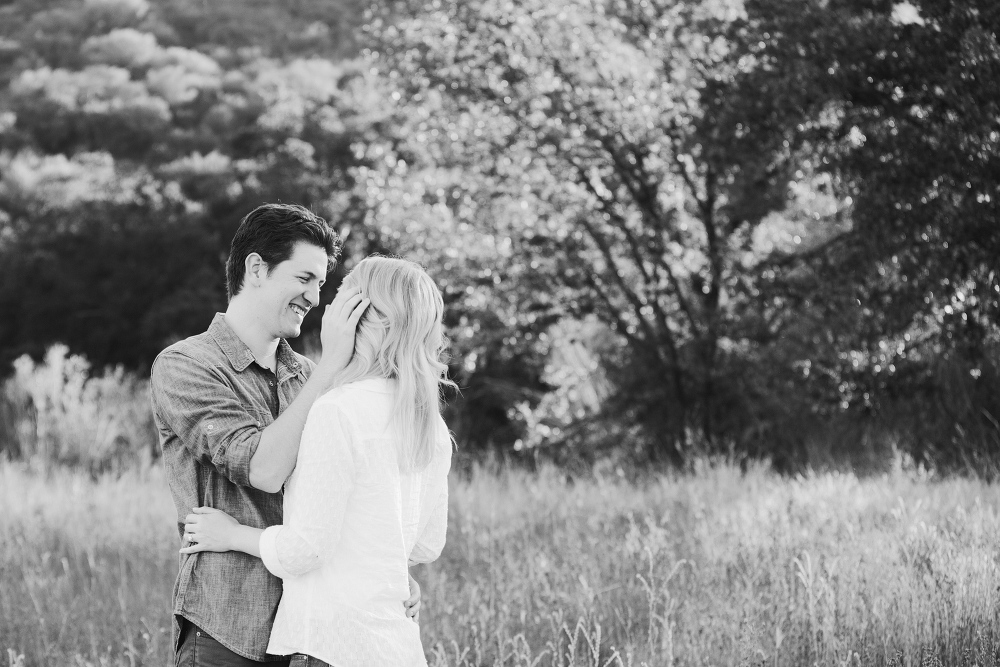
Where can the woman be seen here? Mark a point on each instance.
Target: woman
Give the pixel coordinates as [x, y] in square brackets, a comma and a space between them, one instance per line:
[369, 492]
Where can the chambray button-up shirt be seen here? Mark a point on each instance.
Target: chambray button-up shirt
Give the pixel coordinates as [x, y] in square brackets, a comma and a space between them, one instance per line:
[210, 403]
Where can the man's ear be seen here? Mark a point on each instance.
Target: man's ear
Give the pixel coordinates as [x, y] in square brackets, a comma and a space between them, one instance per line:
[254, 269]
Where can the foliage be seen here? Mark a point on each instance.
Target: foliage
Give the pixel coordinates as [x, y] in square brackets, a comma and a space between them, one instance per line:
[134, 138]
[161, 285]
[906, 302]
[741, 193]
[771, 224]
[58, 414]
[615, 151]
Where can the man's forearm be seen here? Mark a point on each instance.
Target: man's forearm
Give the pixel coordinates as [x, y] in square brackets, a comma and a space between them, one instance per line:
[274, 459]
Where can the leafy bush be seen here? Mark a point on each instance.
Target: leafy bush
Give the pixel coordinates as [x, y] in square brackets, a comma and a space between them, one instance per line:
[57, 412]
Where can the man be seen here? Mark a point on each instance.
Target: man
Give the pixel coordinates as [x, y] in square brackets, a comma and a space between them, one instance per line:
[230, 404]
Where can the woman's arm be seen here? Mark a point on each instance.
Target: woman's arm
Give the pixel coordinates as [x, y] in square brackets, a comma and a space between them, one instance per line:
[209, 529]
[431, 540]
[324, 482]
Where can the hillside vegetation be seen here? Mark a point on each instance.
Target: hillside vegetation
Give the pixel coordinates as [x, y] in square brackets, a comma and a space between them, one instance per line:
[663, 229]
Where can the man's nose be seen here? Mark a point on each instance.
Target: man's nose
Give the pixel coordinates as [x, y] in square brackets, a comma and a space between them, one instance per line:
[312, 294]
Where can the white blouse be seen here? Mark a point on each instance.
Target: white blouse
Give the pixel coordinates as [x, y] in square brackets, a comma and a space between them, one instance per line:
[352, 524]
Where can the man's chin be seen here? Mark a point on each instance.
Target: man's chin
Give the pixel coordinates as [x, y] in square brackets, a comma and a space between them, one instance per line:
[292, 332]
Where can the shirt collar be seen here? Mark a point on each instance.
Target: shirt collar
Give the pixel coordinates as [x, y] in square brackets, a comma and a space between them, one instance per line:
[241, 357]
[288, 363]
[232, 346]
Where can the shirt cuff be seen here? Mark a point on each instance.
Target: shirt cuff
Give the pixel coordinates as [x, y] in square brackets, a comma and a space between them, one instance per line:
[269, 552]
[232, 459]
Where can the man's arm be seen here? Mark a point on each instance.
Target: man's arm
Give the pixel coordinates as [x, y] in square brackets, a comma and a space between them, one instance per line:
[273, 460]
[192, 400]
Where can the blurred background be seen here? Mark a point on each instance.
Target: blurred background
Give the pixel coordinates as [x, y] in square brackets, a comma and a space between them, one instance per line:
[665, 231]
[722, 294]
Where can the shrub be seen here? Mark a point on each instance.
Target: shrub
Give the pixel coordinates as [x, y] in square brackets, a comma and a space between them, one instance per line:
[58, 412]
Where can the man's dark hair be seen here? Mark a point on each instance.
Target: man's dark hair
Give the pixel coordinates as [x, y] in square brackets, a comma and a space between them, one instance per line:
[271, 231]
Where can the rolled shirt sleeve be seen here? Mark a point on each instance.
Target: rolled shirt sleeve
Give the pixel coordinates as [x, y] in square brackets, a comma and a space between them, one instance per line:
[195, 402]
[431, 541]
[269, 552]
[286, 554]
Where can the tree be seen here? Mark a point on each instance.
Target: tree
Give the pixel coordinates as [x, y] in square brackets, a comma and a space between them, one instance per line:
[133, 137]
[118, 281]
[907, 130]
[634, 171]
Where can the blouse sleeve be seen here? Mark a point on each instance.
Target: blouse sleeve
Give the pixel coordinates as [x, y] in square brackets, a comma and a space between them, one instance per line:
[324, 480]
[431, 540]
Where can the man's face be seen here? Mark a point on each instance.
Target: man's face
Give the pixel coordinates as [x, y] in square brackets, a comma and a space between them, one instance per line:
[291, 290]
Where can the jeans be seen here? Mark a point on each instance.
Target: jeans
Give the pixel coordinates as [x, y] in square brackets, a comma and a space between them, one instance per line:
[303, 660]
[198, 649]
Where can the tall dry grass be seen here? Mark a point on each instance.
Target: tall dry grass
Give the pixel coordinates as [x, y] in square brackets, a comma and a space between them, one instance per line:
[717, 567]
[58, 412]
[85, 567]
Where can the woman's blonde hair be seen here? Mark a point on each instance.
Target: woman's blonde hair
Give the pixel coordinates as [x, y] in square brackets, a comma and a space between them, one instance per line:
[401, 337]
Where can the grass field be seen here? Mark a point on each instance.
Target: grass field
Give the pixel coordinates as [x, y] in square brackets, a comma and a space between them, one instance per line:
[712, 568]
